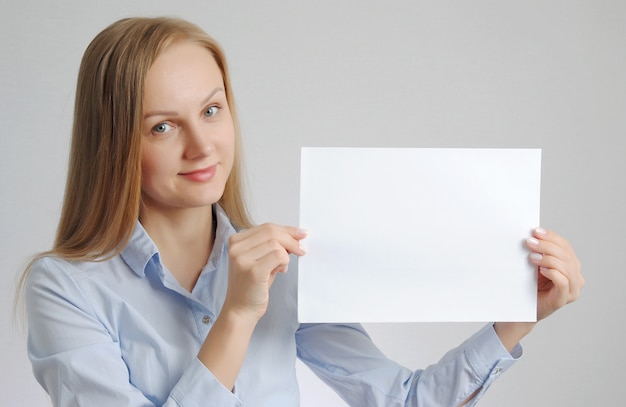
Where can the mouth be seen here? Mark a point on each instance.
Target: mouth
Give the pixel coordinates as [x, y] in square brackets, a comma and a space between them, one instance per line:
[200, 175]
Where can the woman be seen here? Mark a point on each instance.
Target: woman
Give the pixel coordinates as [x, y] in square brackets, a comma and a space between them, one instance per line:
[160, 291]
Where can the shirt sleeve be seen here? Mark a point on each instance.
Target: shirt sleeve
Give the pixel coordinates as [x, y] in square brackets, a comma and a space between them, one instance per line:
[344, 357]
[79, 363]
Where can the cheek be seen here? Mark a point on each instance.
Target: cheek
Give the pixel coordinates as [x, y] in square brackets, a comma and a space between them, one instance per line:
[228, 141]
[231, 150]
[151, 165]
[146, 167]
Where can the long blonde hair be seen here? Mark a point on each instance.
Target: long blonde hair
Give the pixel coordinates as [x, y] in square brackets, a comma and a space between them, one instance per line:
[103, 190]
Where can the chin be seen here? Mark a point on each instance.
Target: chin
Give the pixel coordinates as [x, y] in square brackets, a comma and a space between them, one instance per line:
[206, 201]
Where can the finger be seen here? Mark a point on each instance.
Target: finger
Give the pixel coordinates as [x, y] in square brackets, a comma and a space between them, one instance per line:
[546, 248]
[561, 290]
[547, 235]
[554, 245]
[554, 296]
[272, 262]
[548, 262]
[295, 232]
[268, 248]
[554, 265]
[269, 256]
[287, 236]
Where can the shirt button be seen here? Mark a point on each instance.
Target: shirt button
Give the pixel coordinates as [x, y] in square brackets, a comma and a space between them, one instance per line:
[206, 319]
[497, 370]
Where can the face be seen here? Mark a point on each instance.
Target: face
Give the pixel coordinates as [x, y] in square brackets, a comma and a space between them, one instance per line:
[188, 138]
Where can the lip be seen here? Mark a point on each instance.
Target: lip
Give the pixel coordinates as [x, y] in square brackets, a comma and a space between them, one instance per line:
[200, 175]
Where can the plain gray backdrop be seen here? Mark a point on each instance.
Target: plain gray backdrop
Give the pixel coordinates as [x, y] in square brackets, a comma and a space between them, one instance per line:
[547, 74]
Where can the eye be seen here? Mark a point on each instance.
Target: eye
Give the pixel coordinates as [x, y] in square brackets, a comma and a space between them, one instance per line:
[162, 128]
[211, 111]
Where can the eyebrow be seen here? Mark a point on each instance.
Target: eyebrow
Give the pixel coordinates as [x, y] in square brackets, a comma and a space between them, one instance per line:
[174, 113]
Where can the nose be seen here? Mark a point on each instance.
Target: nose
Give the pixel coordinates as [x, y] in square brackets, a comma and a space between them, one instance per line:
[198, 142]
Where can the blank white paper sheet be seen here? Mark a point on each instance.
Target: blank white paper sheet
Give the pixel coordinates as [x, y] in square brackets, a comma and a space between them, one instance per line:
[418, 235]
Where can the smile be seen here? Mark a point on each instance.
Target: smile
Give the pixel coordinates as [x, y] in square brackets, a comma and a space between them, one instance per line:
[201, 175]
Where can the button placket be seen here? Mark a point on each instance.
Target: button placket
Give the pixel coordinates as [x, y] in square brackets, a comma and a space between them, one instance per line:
[202, 316]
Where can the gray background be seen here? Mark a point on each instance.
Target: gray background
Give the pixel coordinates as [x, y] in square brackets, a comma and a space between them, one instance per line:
[549, 74]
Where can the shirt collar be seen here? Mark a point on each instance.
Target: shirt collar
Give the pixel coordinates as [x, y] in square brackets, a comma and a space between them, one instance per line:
[141, 250]
[223, 232]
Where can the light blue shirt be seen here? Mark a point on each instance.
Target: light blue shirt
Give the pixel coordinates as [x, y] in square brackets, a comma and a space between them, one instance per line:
[123, 332]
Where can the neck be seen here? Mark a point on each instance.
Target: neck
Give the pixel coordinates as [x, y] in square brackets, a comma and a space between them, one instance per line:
[184, 238]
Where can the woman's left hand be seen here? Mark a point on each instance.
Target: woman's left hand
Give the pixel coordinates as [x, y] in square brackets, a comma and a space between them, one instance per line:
[559, 278]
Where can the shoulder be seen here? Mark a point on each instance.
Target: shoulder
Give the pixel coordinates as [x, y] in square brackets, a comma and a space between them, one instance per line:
[56, 277]
[60, 292]
[53, 298]
[50, 269]
[51, 274]
[54, 268]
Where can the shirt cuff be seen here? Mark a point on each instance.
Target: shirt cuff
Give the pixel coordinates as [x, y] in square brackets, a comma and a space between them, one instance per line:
[489, 358]
[198, 387]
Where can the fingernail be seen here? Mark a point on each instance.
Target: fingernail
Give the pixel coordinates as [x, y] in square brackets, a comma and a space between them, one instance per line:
[540, 231]
[303, 231]
[536, 256]
[532, 241]
[303, 249]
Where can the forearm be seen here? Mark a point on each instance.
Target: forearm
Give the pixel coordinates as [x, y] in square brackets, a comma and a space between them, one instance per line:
[225, 347]
[467, 400]
[511, 333]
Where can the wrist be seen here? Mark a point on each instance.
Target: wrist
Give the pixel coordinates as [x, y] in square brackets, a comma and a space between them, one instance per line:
[511, 333]
[240, 316]
[225, 347]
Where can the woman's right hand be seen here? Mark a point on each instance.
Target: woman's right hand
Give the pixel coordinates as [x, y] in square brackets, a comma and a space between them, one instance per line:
[255, 256]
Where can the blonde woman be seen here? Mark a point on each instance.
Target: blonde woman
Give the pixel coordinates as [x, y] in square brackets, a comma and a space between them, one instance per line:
[159, 290]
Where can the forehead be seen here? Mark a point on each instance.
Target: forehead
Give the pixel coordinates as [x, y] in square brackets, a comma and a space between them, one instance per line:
[184, 69]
